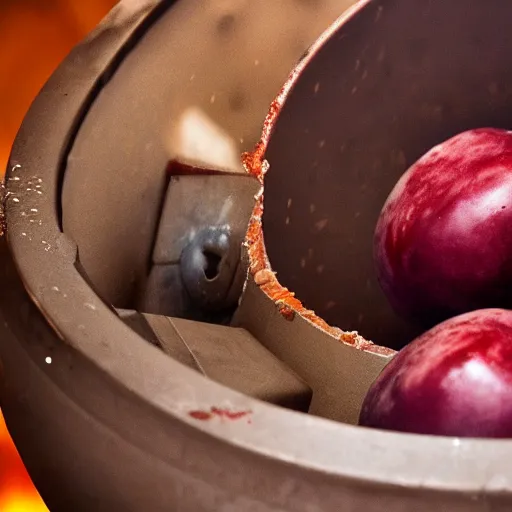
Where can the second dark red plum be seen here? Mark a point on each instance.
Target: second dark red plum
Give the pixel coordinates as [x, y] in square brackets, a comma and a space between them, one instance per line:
[455, 380]
[443, 242]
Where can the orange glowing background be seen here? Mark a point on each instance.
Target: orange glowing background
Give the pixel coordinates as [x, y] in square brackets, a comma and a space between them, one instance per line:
[36, 36]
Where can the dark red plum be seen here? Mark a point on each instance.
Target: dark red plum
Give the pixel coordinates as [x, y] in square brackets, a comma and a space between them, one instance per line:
[454, 380]
[443, 242]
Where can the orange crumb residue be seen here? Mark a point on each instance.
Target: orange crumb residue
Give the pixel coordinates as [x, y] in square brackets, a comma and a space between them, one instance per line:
[259, 265]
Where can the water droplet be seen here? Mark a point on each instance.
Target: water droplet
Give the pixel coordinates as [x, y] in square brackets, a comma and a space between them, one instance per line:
[321, 224]
[48, 360]
[16, 167]
[55, 288]
[23, 234]
[15, 200]
[34, 210]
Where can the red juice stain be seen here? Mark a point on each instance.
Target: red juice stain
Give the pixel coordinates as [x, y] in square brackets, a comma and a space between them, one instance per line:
[229, 415]
[219, 413]
[201, 415]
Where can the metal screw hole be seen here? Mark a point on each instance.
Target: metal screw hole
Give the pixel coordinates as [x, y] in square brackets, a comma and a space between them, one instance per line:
[211, 270]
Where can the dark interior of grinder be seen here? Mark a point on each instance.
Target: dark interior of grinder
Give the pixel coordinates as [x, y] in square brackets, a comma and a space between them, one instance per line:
[359, 115]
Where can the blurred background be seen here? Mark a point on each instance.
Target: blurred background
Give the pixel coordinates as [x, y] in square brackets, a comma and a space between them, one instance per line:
[36, 36]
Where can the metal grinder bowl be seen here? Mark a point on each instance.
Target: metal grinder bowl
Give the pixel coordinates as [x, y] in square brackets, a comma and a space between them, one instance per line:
[106, 421]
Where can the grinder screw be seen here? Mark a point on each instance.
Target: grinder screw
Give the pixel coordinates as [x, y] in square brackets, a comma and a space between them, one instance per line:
[208, 267]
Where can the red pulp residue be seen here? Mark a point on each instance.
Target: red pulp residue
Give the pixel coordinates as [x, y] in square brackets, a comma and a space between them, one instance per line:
[219, 413]
[201, 415]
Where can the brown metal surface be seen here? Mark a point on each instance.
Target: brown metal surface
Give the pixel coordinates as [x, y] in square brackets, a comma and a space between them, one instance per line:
[229, 356]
